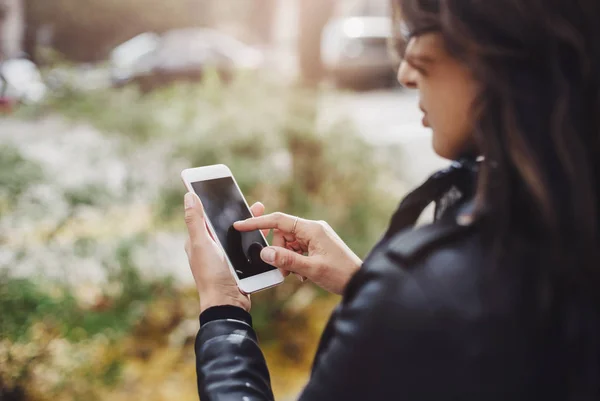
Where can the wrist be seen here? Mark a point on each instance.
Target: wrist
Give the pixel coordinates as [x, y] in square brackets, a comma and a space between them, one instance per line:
[208, 300]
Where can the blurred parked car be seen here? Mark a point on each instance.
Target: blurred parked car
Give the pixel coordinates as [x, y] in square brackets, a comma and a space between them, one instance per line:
[20, 82]
[354, 46]
[153, 60]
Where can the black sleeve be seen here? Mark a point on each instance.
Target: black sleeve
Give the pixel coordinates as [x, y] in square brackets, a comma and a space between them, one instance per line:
[385, 342]
[229, 362]
[225, 312]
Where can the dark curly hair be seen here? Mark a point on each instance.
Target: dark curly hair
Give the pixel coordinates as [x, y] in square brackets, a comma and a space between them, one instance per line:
[536, 122]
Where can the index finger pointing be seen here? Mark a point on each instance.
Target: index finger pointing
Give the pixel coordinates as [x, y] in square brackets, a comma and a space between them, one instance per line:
[279, 221]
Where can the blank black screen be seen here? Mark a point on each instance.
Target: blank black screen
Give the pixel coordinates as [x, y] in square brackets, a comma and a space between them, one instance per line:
[224, 205]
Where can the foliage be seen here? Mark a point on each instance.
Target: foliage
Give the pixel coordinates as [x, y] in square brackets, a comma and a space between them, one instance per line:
[266, 133]
[269, 134]
[16, 174]
[51, 339]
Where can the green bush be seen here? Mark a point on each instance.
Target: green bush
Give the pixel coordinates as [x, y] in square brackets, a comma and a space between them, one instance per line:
[26, 303]
[16, 175]
[269, 135]
[45, 327]
[265, 132]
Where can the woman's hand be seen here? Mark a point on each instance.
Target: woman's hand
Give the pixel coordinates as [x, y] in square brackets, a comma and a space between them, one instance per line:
[214, 281]
[308, 248]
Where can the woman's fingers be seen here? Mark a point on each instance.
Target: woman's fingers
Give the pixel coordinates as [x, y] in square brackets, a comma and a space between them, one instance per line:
[294, 246]
[288, 252]
[188, 247]
[278, 239]
[258, 209]
[288, 260]
[194, 219]
[280, 221]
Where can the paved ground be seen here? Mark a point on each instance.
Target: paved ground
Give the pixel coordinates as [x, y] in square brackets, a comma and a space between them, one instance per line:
[390, 120]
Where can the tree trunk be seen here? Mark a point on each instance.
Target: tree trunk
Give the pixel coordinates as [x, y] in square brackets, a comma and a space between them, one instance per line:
[12, 28]
[263, 16]
[313, 17]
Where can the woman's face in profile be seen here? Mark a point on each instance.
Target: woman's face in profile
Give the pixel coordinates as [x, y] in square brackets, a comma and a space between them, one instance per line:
[446, 90]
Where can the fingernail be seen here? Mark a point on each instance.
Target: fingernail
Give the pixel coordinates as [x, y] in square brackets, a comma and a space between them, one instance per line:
[268, 255]
[189, 200]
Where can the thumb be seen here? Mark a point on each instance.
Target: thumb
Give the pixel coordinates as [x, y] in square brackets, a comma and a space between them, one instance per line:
[194, 217]
[287, 260]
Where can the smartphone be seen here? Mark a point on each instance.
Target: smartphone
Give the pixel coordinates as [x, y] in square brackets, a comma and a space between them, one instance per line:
[224, 204]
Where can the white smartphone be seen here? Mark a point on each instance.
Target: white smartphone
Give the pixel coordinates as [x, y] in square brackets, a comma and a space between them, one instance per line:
[224, 204]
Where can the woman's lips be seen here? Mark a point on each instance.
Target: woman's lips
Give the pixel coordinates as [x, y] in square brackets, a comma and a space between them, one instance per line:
[425, 120]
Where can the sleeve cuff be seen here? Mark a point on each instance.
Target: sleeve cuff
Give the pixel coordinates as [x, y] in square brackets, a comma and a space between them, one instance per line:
[225, 312]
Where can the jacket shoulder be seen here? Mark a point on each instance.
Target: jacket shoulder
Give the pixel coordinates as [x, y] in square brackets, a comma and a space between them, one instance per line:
[434, 267]
[414, 246]
[417, 305]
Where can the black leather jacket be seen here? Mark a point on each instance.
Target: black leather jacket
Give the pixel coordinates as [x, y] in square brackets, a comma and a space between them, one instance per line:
[416, 323]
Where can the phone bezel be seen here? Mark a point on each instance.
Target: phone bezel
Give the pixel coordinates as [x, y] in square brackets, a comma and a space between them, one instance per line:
[250, 284]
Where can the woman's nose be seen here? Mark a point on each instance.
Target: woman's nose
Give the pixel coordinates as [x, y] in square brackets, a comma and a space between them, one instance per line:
[407, 76]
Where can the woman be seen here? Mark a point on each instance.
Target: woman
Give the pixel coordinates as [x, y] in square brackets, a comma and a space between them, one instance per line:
[496, 300]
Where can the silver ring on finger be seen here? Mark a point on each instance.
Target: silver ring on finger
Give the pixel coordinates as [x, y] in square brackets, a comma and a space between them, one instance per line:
[295, 224]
